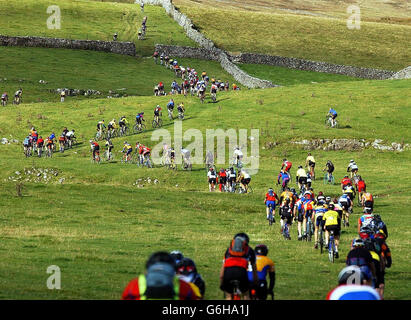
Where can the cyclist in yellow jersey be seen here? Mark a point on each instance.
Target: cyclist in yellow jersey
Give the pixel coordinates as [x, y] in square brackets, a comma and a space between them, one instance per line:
[287, 194]
[265, 266]
[331, 223]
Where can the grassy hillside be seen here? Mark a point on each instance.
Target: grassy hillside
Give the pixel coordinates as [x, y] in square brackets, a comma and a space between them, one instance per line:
[100, 229]
[394, 11]
[83, 19]
[81, 69]
[376, 45]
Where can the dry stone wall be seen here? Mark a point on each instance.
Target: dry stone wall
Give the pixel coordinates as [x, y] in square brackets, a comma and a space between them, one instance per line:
[125, 48]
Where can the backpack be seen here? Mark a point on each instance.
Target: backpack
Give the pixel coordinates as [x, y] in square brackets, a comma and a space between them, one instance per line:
[238, 247]
[160, 282]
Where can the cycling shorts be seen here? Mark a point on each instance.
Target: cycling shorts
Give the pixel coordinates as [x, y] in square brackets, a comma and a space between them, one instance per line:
[300, 217]
[318, 220]
[287, 217]
[334, 228]
[362, 189]
[129, 151]
[270, 204]
[368, 204]
[235, 273]
[212, 180]
[311, 164]
[223, 180]
[245, 181]
[302, 180]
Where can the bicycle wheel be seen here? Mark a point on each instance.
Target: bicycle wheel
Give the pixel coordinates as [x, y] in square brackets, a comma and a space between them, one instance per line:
[136, 128]
[154, 124]
[321, 241]
[270, 218]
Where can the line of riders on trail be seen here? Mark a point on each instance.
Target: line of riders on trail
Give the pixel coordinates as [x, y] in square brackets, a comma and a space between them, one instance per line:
[191, 81]
[34, 143]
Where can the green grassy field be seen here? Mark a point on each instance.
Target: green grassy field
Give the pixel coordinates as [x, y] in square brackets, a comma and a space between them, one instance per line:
[98, 71]
[375, 45]
[83, 19]
[100, 229]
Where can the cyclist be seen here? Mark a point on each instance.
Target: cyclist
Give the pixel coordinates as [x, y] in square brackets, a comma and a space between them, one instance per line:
[362, 258]
[95, 148]
[127, 150]
[212, 179]
[271, 199]
[350, 191]
[345, 182]
[222, 179]
[62, 141]
[50, 142]
[332, 115]
[353, 285]
[123, 124]
[170, 108]
[287, 193]
[109, 147]
[157, 113]
[238, 157]
[361, 187]
[367, 200]
[331, 223]
[185, 155]
[307, 214]
[140, 119]
[320, 198]
[186, 270]
[301, 177]
[236, 265]
[181, 110]
[286, 166]
[40, 144]
[112, 126]
[231, 176]
[70, 137]
[213, 91]
[319, 211]
[310, 163]
[371, 245]
[284, 176]
[286, 215]
[146, 154]
[244, 179]
[4, 99]
[159, 281]
[101, 126]
[18, 95]
[353, 168]
[346, 204]
[265, 266]
[27, 145]
[201, 88]
[366, 224]
[329, 168]
[62, 95]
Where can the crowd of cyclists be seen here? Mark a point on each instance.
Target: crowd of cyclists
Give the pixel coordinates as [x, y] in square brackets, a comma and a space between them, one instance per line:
[35, 145]
[192, 82]
[18, 98]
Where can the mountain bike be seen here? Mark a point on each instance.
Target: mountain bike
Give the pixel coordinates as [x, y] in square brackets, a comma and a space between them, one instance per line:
[240, 189]
[329, 178]
[181, 116]
[321, 240]
[236, 294]
[328, 122]
[157, 123]
[50, 150]
[170, 114]
[331, 247]
[139, 127]
[309, 230]
[96, 158]
[147, 162]
[214, 97]
[286, 231]
[100, 135]
[108, 155]
[126, 158]
[123, 131]
[186, 165]
[271, 218]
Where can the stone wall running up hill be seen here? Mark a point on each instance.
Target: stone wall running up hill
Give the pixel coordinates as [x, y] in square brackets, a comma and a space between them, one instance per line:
[125, 48]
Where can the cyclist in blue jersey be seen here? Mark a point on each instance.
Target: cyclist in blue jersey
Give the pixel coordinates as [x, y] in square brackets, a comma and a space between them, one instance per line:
[332, 114]
[285, 177]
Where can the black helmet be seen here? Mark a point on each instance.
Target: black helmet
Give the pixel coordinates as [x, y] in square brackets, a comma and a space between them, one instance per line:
[160, 256]
[186, 266]
[177, 256]
[351, 275]
[243, 235]
[261, 249]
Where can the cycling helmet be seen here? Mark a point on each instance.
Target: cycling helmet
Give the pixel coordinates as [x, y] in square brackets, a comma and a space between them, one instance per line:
[91, 141]
[357, 242]
[125, 142]
[351, 160]
[351, 275]
[321, 202]
[261, 249]
[331, 206]
[367, 210]
[327, 199]
[177, 256]
[270, 189]
[160, 256]
[186, 266]
[320, 193]
[243, 235]
[300, 167]
[222, 170]
[345, 176]
[293, 190]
